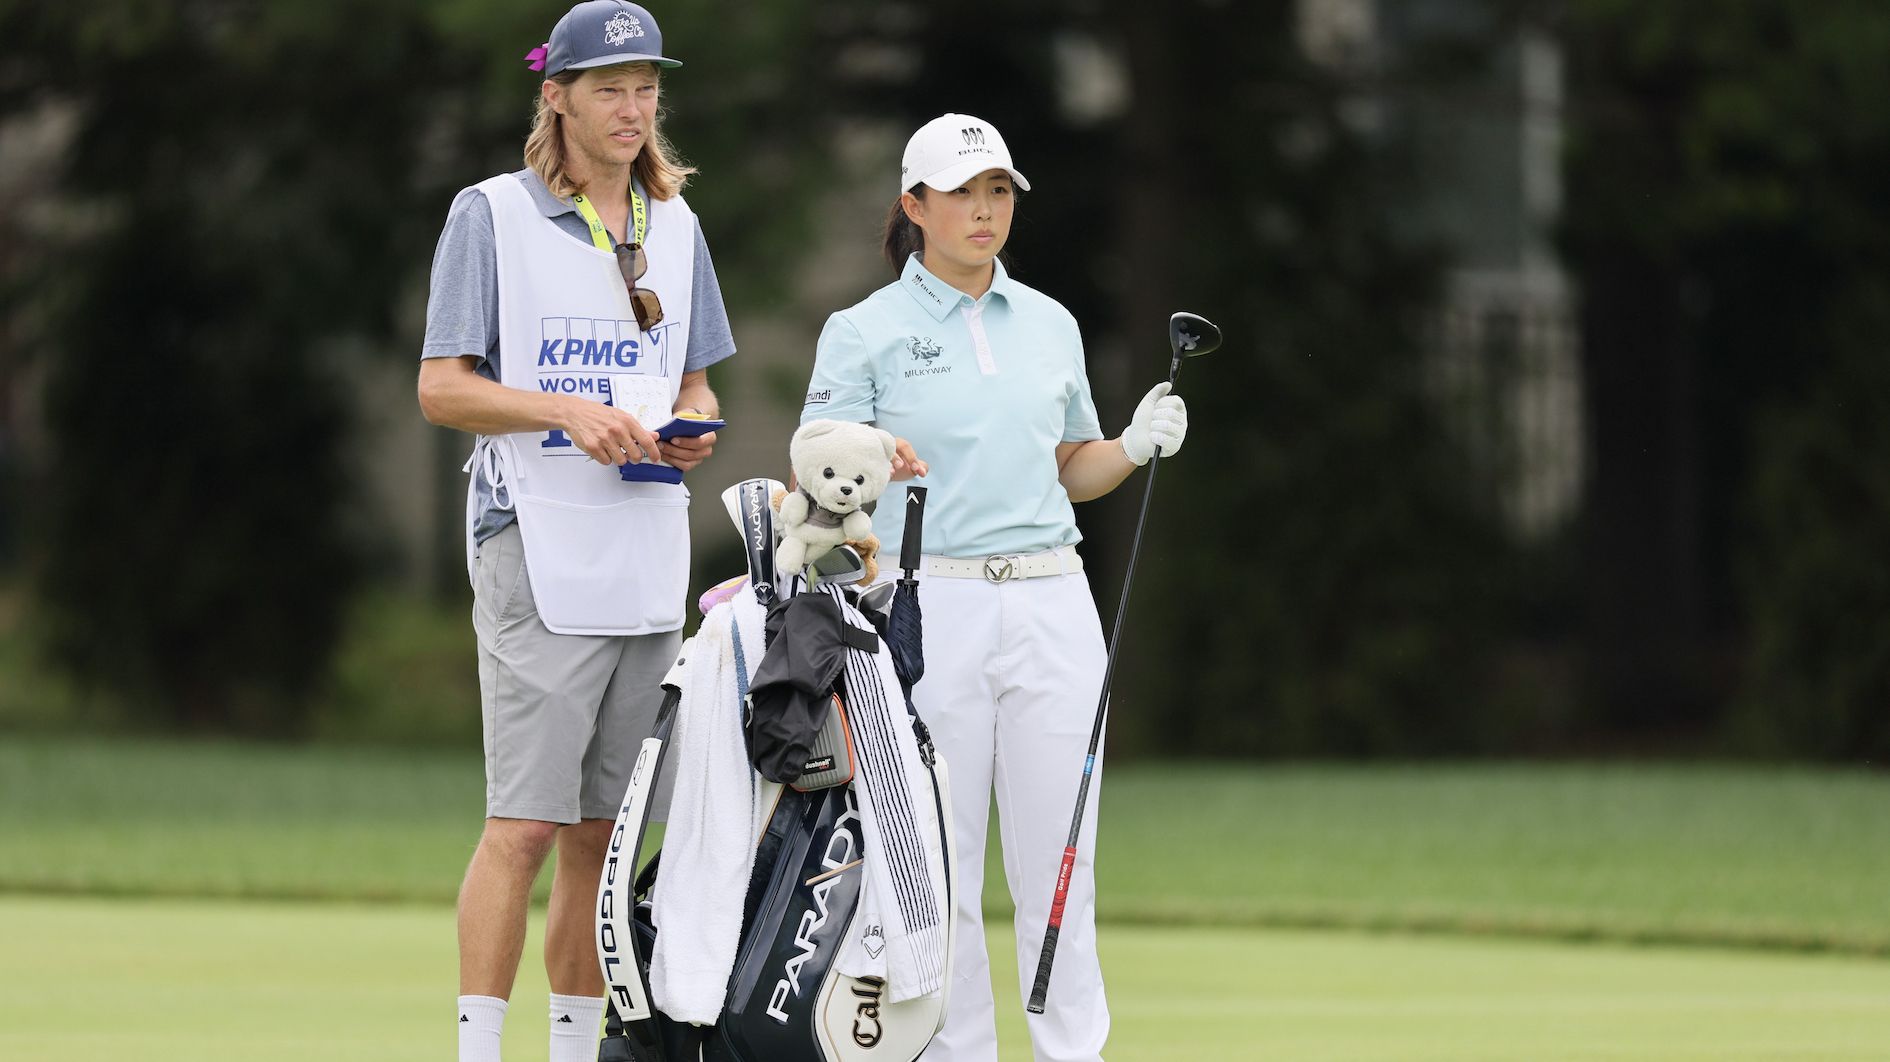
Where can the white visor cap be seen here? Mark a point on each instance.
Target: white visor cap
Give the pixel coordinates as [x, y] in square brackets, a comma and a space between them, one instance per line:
[952, 149]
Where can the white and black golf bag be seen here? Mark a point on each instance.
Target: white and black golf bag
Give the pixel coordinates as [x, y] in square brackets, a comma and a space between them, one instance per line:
[802, 902]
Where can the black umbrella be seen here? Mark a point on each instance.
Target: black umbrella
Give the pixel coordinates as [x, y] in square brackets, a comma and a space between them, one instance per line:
[905, 627]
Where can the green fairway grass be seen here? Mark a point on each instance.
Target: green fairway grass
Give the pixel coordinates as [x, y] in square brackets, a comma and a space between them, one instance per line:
[1742, 855]
[98, 979]
[237, 820]
[1731, 855]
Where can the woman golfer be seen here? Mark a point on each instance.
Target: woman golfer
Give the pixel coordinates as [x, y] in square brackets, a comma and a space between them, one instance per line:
[983, 378]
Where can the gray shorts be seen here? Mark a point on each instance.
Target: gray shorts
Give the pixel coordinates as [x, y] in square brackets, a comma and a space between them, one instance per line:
[565, 714]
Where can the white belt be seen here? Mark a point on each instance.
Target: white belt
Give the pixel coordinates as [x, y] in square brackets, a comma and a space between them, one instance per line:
[1003, 567]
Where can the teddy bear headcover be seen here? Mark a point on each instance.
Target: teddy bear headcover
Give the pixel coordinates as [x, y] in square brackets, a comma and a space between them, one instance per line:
[840, 467]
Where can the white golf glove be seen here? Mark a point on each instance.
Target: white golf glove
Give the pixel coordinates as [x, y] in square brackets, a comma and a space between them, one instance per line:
[1160, 420]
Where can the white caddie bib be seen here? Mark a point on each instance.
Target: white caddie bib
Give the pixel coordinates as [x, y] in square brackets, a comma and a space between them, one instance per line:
[606, 556]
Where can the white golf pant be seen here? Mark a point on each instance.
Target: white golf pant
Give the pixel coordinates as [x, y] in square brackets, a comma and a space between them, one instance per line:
[1012, 673]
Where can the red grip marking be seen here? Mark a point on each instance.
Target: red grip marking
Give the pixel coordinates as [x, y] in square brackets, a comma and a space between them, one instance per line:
[1063, 887]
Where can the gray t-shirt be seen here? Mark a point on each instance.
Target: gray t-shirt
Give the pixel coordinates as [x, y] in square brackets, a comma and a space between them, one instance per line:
[463, 306]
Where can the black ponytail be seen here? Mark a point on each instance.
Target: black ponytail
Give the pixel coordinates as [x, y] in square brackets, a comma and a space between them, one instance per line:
[901, 238]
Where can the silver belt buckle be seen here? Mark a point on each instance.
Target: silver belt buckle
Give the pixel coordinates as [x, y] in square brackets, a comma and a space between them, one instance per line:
[998, 568]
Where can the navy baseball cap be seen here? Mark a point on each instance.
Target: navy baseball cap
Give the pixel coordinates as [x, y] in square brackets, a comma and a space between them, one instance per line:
[601, 33]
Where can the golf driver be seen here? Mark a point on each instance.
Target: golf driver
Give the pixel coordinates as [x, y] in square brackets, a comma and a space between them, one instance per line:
[1189, 336]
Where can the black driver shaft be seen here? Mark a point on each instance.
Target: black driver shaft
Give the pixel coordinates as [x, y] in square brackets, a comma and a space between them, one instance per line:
[1040, 988]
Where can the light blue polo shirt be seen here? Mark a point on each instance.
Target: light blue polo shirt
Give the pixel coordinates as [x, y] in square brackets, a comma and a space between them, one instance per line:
[984, 390]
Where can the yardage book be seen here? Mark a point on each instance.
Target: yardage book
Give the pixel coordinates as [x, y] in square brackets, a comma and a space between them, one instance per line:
[647, 398]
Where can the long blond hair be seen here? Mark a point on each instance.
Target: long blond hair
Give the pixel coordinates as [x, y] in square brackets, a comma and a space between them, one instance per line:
[661, 173]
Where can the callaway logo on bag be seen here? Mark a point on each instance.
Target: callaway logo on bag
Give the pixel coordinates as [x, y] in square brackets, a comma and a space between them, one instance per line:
[868, 990]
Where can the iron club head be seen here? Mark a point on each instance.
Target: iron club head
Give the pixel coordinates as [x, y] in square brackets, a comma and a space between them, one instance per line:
[1191, 335]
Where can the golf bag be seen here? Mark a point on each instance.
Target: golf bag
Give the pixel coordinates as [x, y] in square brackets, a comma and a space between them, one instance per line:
[802, 903]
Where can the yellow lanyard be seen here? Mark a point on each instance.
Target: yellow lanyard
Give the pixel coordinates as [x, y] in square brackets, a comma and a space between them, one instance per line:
[601, 235]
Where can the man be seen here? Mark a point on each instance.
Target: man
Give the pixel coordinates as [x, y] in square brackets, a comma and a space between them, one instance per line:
[564, 297]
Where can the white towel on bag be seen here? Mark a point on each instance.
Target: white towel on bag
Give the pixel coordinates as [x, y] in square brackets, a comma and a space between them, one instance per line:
[900, 932]
[709, 844]
[716, 815]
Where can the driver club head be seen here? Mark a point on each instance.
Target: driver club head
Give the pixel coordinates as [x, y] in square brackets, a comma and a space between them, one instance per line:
[1191, 335]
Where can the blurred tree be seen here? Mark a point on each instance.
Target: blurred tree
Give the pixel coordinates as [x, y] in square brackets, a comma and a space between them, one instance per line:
[1327, 573]
[1319, 576]
[1817, 572]
[1729, 226]
[247, 169]
[254, 188]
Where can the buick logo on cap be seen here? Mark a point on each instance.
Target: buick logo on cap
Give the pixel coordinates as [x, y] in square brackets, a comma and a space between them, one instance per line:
[952, 149]
[621, 28]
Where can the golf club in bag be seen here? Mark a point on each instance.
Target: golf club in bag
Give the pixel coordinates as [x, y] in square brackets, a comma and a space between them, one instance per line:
[786, 1001]
[1189, 336]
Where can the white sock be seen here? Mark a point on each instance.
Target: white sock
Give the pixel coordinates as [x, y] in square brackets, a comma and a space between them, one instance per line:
[576, 1023]
[481, 1020]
